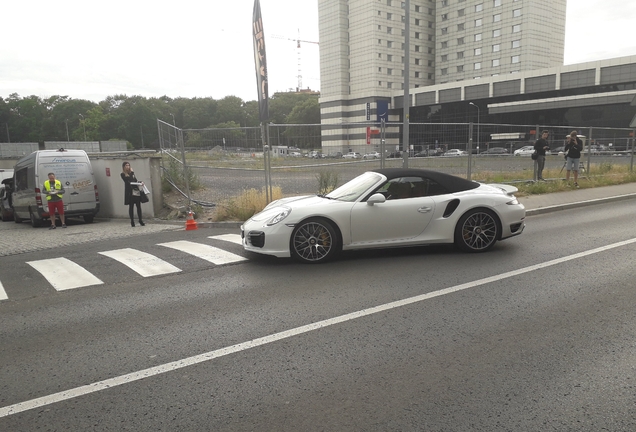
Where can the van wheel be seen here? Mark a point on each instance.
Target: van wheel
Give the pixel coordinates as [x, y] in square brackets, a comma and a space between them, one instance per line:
[35, 222]
[89, 218]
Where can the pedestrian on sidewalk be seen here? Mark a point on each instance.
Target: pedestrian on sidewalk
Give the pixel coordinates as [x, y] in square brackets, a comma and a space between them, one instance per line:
[54, 193]
[540, 147]
[573, 148]
[132, 193]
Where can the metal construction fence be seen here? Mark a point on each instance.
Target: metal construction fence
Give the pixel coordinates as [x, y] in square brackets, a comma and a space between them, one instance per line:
[225, 162]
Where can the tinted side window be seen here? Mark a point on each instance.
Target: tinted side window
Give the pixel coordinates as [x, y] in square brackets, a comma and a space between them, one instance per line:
[21, 179]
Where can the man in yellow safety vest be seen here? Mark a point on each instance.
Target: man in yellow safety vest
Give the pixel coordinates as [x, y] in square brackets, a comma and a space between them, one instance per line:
[54, 192]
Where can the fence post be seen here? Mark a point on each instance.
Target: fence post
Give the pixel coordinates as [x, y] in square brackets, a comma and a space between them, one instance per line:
[470, 150]
[185, 166]
[589, 145]
[631, 162]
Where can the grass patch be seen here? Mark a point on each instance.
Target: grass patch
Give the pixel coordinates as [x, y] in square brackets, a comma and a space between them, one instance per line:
[174, 172]
[327, 181]
[244, 206]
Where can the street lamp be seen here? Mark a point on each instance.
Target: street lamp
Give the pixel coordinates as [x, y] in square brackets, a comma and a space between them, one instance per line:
[67, 136]
[84, 126]
[470, 103]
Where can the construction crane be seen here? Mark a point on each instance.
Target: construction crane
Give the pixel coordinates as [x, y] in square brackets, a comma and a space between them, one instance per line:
[298, 41]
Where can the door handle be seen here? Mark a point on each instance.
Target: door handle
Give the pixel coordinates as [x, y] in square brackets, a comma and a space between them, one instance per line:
[424, 209]
[74, 193]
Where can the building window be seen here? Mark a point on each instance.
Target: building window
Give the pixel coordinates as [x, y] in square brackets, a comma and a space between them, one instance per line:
[417, 8]
[417, 35]
[477, 51]
[516, 28]
[496, 18]
[516, 43]
[460, 55]
[496, 3]
[444, 57]
[430, 50]
[417, 74]
[496, 33]
[444, 2]
[380, 83]
[388, 16]
[477, 65]
[477, 37]
[478, 22]
[430, 62]
[445, 30]
[379, 55]
[444, 17]
[460, 68]
[402, 18]
[388, 2]
[445, 71]
[430, 76]
[515, 59]
[379, 69]
[389, 85]
[379, 27]
[460, 27]
[389, 57]
[516, 13]
[496, 48]
[479, 7]
[445, 44]
[460, 13]
[389, 44]
[430, 37]
[389, 29]
[389, 71]
[417, 48]
[379, 41]
[495, 62]
[460, 41]
[417, 21]
[417, 61]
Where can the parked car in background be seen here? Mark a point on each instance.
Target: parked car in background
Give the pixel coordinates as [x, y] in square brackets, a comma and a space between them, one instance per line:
[6, 188]
[372, 155]
[556, 151]
[314, 154]
[352, 155]
[524, 151]
[394, 155]
[495, 151]
[294, 154]
[455, 152]
[336, 155]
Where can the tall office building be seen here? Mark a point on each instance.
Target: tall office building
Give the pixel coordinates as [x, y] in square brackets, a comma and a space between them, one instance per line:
[362, 50]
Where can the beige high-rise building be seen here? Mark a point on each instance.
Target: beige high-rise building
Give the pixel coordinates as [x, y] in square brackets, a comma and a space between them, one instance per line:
[362, 51]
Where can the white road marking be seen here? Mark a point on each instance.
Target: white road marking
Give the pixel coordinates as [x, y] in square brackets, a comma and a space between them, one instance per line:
[3, 293]
[143, 263]
[232, 238]
[200, 358]
[64, 274]
[206, 252]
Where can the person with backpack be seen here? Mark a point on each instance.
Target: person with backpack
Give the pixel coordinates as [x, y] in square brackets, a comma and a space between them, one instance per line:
[572, 150]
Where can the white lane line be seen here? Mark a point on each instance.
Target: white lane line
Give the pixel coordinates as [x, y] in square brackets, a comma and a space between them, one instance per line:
[143, 263]
[232, 238]
[3, 293]
[200, 358]
[64, 274]
[203, 251]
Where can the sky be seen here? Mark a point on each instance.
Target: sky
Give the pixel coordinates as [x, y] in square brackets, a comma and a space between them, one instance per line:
[91, 50]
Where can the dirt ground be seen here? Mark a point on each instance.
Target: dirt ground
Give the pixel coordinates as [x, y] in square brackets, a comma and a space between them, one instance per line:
[175, 208]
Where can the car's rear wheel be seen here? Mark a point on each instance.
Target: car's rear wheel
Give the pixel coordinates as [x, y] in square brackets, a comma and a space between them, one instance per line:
[314, 241]
[35, 222]
[89, 218]
[477, 230]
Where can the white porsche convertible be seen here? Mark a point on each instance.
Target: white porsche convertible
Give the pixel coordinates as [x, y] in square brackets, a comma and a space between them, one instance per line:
[384, 208]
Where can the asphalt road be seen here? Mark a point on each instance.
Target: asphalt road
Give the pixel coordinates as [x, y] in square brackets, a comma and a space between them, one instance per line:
[537, 334]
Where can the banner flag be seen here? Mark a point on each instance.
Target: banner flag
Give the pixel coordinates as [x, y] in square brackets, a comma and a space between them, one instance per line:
[260, 62]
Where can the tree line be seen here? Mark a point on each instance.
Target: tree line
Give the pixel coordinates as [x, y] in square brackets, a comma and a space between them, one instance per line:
[134, 118]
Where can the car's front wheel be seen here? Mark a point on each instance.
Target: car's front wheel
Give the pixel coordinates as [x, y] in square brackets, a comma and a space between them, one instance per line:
[477, 230]
[314, 241]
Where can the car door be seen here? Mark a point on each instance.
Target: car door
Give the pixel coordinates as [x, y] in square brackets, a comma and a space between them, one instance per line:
[401, 217]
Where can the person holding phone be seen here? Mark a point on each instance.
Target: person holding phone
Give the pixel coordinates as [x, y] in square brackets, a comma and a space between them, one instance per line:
[54, 192]
[573, 148]
[132, 193]
[540, 146]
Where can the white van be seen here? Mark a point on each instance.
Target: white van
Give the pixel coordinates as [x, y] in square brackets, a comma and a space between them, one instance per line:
[72, 168]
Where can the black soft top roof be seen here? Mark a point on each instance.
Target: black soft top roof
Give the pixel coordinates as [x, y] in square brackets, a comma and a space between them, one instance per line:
[450, 182]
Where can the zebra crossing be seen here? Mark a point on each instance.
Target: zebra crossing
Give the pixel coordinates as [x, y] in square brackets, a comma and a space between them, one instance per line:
[63, 274]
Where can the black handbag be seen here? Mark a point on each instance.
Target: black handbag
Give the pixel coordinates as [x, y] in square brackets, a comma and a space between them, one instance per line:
[144, 198]
[534, 155]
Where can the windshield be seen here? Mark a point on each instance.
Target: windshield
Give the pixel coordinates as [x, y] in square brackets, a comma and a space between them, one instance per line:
[352, 190]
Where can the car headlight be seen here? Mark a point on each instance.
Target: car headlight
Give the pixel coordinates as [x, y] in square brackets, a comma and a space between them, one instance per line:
[513, 202]
[281, 215]
[272, 216]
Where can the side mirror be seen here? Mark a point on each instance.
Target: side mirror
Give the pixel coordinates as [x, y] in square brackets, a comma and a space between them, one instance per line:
[376, 198]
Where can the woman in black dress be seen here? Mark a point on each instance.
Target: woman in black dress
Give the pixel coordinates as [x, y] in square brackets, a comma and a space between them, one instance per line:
[132, 193]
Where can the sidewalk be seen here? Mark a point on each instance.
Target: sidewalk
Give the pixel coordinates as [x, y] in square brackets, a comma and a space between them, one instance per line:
[538, 204]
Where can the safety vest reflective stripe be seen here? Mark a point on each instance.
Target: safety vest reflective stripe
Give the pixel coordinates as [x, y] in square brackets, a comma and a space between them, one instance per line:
[47, 186]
